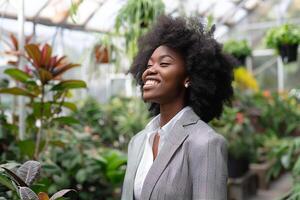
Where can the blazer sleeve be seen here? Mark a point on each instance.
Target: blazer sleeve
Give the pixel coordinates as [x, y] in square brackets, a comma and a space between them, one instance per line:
[209, 169]
[125, 191]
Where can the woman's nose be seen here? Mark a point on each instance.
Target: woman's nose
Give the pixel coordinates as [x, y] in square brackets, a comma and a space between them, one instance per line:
[152, 69]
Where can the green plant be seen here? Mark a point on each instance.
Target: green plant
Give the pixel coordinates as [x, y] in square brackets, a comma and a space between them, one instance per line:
[237, 48]
[21, 180]
[114, 122]
[281, 114]
[286, 34]
[236, 128]
[81, 162]
[286, 153]
[134, 19]
[46, 90]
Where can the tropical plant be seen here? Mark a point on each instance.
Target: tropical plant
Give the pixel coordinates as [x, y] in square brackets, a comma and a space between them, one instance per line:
[14, 48]
[281, 114]
[239, 49]
[236, 128]
[277, 112]
[21, 180]
[134, 19]
[114, 122]
[286, 153]
[46, 90]
[82, 163]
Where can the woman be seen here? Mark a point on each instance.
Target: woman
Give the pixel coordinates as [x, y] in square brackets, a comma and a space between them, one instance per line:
[186, 79]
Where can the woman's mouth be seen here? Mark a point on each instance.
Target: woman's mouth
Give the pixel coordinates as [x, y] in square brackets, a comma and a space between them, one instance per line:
[150, 83]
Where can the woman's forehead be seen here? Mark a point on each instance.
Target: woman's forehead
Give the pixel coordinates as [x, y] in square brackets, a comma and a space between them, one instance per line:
[164, 51]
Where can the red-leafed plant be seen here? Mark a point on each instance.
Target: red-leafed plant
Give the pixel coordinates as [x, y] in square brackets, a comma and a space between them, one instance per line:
[45, 88]
[13, 48]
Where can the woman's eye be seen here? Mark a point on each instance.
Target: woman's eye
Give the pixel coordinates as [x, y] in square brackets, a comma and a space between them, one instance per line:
[148, 66]
[164, 64]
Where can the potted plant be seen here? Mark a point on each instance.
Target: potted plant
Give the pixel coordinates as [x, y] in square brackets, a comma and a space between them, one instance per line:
[236, 128]
[132, 26]
[239, 49]
[285, 40]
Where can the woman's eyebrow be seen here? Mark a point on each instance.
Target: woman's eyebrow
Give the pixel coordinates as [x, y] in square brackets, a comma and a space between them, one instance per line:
[167, 55]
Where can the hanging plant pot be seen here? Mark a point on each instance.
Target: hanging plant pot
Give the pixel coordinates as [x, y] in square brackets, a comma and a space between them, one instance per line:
[242, 60]
[288, 52]
[237, 167]
[101, 54]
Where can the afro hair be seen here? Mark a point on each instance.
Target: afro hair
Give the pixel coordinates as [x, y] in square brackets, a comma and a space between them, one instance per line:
[208, 67]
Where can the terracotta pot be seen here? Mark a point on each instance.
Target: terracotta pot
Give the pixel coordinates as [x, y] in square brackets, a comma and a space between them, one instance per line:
[101, 54]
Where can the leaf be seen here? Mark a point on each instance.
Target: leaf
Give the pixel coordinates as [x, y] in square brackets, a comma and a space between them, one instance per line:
[44, 75]
[69, 105]
[15, 177]
[60, 70]
[61, 193]
[27, 194]
[46, 56]
[57, 143]
[38, 107]
[34, 53]
[14, 41]
[27, 147]
[43, 196]
[69, 84]
[16, 91]
[52, 63]
[29, 171]
[17, 74]
[66, 120]
[6, 182]
[59, 61]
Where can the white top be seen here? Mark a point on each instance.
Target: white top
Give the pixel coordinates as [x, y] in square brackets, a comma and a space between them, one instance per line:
[147, 158]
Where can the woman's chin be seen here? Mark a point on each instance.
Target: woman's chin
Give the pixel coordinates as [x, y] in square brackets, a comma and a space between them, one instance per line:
[149, 98]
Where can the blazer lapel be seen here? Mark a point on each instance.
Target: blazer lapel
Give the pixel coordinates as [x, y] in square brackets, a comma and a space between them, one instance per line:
[176, 137]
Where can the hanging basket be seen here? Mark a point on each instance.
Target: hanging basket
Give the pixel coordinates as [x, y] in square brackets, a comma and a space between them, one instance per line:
[288, 52]
[101, 54]
[242, 60]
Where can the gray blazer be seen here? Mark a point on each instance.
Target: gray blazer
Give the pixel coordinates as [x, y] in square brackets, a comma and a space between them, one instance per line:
[191, 165]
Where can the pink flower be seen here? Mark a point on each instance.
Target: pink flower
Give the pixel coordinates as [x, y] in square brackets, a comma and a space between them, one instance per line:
[239, 118]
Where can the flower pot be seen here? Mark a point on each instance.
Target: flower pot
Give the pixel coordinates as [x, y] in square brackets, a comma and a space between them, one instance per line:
[237, 167]
[101, 54]
[242, 60]
[288, 53]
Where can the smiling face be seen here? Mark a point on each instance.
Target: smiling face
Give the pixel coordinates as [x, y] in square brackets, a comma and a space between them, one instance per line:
[164, 77]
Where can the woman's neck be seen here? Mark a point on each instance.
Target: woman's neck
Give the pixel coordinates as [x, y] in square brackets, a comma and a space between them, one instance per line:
[168, 111]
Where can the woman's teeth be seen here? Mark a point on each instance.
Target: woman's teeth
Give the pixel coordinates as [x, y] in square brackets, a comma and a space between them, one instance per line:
[151, 82]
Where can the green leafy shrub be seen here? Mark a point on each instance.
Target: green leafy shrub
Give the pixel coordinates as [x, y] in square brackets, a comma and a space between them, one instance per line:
[115, 122]
[237, 48]
[81, 162]
[236, 128]
[20, 181]
[286, 34]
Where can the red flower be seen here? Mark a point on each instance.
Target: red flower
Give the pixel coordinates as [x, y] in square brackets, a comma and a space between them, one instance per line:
[239, 118]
